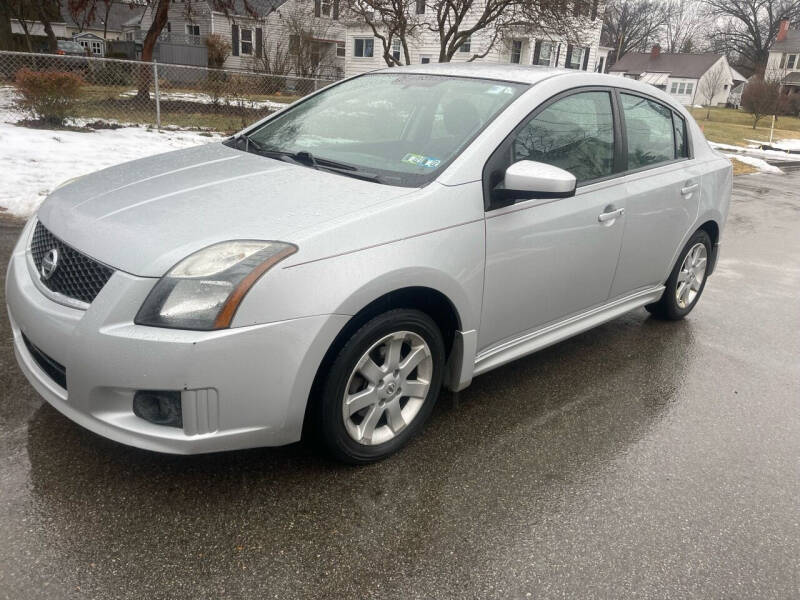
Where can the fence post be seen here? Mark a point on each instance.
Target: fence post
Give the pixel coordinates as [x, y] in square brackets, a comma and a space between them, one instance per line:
[158, 97]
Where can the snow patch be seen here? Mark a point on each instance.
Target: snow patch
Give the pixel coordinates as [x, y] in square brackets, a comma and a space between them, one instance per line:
[36, 161]
[758, 163]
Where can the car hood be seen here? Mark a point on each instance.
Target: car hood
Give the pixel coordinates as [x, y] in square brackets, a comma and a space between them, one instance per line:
[144, 216]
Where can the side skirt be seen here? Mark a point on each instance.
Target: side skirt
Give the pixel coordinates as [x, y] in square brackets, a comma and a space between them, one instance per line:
[541, 338]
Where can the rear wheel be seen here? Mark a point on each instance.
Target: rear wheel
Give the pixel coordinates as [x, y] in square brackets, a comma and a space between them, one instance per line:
[381, 387]
[687, 280]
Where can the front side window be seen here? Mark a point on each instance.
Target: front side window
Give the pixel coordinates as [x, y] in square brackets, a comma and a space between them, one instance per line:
[405, 128]
[650, 132]
[247, 41]
[363, 47]
[575, 133]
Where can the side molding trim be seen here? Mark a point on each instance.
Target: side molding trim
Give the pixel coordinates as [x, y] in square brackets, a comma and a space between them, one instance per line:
[541, 338]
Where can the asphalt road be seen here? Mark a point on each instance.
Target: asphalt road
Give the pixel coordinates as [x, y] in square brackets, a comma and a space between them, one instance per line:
[642, 459]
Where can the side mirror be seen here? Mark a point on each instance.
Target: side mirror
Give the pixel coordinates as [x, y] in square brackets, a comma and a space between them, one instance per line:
[528, 179]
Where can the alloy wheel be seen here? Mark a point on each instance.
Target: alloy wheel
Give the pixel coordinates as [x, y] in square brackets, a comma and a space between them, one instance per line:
[387, 388]
[691, 275]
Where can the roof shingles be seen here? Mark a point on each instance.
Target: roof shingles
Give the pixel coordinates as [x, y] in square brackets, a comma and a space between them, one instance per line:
[690, 66]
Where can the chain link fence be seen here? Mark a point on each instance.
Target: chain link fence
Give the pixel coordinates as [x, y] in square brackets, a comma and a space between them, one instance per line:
[162, 95]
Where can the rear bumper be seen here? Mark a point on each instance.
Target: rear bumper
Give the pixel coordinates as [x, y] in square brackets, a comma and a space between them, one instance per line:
[240, 387]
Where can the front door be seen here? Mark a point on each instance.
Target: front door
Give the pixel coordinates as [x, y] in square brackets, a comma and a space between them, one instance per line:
[548, 259]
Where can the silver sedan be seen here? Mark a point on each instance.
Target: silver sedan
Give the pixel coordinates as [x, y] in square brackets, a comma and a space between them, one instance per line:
[332, 267]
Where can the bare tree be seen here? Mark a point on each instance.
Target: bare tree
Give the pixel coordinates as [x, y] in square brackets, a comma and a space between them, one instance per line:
[6, 38]
[456, 21]
[710, 84]
[760, 97]
[632, 26]
[748, 28]
[683, 21]
[308, 54]
[389, 21]
[26, 12]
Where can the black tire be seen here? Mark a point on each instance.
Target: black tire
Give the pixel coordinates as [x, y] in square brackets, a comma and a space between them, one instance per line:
[667, 306]
[328, 420]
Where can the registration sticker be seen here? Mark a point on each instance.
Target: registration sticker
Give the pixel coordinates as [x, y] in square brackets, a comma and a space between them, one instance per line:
[499, 89]
[421, 161]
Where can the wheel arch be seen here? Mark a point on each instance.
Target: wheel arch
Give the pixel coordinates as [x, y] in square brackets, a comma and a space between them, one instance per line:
[430, 300]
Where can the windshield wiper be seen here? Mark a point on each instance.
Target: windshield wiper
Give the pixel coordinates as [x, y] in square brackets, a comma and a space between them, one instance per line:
[309, 160]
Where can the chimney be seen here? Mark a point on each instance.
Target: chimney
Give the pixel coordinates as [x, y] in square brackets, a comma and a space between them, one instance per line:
[655, 51]
[784, 29]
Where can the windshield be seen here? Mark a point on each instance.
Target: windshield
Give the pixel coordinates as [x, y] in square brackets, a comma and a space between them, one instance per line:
[401, 128]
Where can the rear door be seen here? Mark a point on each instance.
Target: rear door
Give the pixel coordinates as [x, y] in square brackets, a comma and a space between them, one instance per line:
[662, 189]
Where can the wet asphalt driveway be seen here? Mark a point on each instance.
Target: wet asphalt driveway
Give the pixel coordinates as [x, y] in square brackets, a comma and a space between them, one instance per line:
[642, 459]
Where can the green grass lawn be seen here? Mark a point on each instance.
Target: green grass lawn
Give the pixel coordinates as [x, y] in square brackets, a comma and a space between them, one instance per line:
[735, 127]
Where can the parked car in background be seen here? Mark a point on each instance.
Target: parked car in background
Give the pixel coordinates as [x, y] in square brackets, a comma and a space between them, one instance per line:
[338, 263]
[69, 48]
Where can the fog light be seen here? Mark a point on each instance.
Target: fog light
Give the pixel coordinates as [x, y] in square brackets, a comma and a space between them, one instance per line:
[160, 408]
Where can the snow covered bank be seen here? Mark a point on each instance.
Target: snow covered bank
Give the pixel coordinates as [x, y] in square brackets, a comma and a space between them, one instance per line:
[758, 163]
[35, 161]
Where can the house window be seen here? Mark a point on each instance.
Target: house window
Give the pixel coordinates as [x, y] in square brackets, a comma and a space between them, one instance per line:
[682, 88]
[465, 47]
[420, 7]
[97, 48]
[169, 26]
[546, 54]
[129, 36]
[340, 50]
[576, 58]
[674, 88]
[396, 49]
[516, 51]
[326, 7]
[363, 47]
[192, 29]
[790, 61]
[425, 60]
[783, 61]
[689, 88]
[247, 41]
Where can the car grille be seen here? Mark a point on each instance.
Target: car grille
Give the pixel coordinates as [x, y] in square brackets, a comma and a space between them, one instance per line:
[76, 275]
[54, 369]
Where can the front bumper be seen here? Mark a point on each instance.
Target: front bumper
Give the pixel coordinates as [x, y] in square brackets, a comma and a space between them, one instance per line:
[241, 387]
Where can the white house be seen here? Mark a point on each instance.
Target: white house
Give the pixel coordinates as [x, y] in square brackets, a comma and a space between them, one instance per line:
[784, 58]
[363, 52]
[339, 47]
[691, 78]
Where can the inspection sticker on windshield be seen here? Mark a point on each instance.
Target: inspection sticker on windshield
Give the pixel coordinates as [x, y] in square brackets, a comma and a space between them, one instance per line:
[421, 161]
[499, 89]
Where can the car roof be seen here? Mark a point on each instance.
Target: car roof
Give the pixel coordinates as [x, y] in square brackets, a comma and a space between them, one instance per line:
[515, 73]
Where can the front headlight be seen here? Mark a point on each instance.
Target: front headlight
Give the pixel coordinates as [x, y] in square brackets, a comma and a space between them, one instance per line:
[204, 290]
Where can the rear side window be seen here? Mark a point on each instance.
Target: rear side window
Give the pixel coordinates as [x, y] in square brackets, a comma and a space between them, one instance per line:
[575, 133]
[650, 131]
[681, 148]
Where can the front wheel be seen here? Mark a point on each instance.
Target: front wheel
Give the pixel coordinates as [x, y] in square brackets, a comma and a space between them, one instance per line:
[687, 280]
[381, 387]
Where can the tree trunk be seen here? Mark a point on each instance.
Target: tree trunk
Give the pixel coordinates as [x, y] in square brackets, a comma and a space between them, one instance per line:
[6, 39]
[52, 42]
[149, 44]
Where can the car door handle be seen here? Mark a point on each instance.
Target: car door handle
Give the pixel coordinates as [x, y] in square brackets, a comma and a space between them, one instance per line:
[689, 189]
[610, 216]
